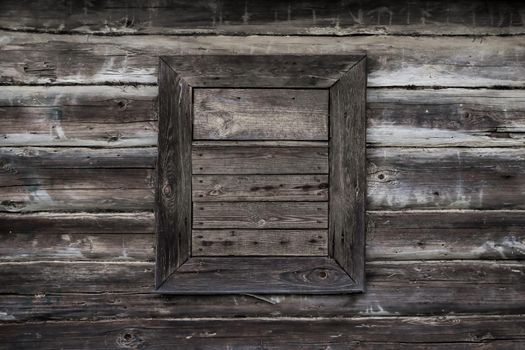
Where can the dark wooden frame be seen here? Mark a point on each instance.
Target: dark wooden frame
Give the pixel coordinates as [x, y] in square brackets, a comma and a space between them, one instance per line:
[342, 271]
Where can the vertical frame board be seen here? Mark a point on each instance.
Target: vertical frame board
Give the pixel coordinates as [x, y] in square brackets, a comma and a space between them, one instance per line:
[341, 80]
[348, 172]
[173, 192]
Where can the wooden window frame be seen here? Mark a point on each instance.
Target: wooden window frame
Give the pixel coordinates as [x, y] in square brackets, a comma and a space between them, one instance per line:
[342, 271]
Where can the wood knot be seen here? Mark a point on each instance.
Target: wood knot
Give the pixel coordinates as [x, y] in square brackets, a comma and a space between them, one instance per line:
[130, 340]
[167, 190]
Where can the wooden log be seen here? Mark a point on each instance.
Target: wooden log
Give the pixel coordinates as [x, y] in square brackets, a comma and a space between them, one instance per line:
[219, 159]
[405, 61]
[443, 118]
[260, 215]
[54, 189]
[271, 17]
[452, 332]
[114, 117]
[260, 114]
[77, 247]
[398, 178]
[214, 188]
[452, 178]
[259, 242]
[425, 235]
[78, 116]
[468, 234]
[92, 291]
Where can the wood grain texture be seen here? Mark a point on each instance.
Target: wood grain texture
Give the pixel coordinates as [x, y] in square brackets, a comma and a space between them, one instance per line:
[451, 178]
[66, 290]
[346, 234]
[271, 17]
[213, 188]
[261, 71]
[260, 215]
[101, 116]
[468, 234]
[423, 234]
[76, 247]
[261, 275]
[259, 160]
[260, 114]
[259, 242]
[405, 61]
[398, 178]
[452, 332]
[444, 118]
[173, 187]
[111, 116]
[75, 189]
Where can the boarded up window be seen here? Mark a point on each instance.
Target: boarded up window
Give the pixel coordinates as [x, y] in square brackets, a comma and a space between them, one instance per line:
[261, 174]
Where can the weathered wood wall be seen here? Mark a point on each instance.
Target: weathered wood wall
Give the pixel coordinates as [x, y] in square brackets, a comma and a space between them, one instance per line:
[446, 157]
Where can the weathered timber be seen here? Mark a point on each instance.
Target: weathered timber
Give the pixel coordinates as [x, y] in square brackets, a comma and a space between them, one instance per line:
[230, 17]
[347, 192]
[452, 332]
[218, 159]
[173, 186]
[468, 234]
[26, 159]
[76, 247]
[405, 61]
[260, 215]
[423, 234]
[259, 242]
[63, 291]
[55, 189]
[280, 70]
[443, 118]
[260, 114]
[448, 178]
[114, 117]
[451, 178]
[208, 188]
[260, 275]
[78, 116]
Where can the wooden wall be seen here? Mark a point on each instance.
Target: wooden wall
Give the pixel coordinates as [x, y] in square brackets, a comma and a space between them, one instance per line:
[446, 159]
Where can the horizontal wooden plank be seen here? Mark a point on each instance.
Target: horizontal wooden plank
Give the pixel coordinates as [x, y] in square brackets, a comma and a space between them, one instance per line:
[443, 118]
[114, 117]
[260, 114]
[467, 234]
[37, 189]
[451, 178]
[472, 332]
[26, 159]
[256, 215]
[259, 160]
[261, 71]
[271, 17]
[78, 116]
[58, 291]
[213, 188]
[259, 242]
[398, 178]
[261, 275]
[452, 332]
[405, 61]
[76, 246]
[425, 235]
